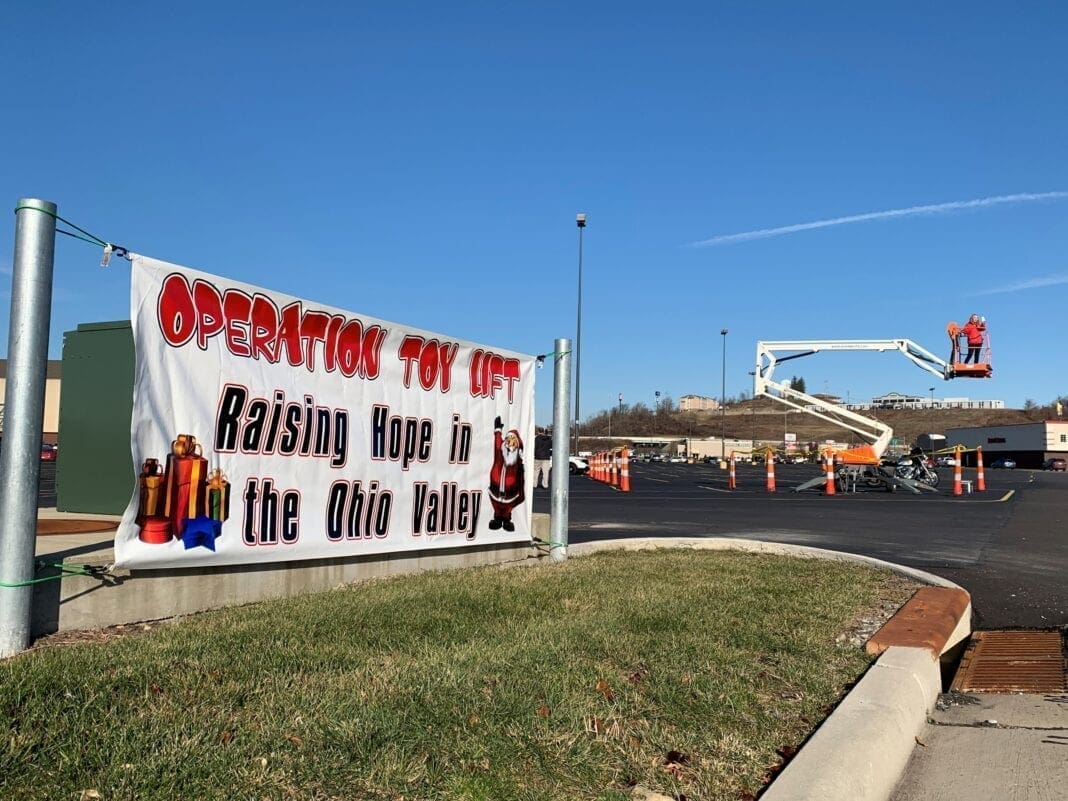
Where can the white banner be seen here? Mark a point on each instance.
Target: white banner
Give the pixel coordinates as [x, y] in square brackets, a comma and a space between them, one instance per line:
[268, 428]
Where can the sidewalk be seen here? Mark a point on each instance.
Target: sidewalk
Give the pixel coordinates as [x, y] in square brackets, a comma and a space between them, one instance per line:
[998, 747]
[94, 546]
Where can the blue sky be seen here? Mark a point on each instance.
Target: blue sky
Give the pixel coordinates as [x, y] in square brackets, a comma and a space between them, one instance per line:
[423, 163]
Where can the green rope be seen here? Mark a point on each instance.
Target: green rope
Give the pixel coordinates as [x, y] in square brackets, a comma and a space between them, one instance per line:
[75, 236]
[93, 238]
[64, 571]
[539, 543]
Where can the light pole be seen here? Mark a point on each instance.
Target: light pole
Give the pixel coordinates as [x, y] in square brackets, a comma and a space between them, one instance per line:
[932, 396]
[656, 403]
[752, 415]
[723, 402]
[580, 221]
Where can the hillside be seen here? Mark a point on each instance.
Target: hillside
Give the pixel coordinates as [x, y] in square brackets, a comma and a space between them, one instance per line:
[764, 419]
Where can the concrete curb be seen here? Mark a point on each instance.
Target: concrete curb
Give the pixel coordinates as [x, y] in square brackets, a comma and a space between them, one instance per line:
[860, 751]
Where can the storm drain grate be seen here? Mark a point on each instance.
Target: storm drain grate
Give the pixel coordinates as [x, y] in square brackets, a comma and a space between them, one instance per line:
[1013, 661]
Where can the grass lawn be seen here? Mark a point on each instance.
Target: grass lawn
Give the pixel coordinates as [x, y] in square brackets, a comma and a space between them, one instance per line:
[689, 672]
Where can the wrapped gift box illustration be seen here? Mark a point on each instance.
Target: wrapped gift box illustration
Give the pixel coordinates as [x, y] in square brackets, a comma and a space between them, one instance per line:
[182, 491]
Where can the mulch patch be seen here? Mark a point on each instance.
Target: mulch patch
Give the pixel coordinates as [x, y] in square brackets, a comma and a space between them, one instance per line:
[74, 526]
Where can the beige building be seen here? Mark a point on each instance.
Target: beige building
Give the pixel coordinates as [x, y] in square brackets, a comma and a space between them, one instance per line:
[697, 403]
[51, 409]
[1029, 444]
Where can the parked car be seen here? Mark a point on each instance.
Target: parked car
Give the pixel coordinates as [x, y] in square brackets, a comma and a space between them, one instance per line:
[577, 465]
[945, 461]
[1055, 464]
[48, 452]
[1004, 464]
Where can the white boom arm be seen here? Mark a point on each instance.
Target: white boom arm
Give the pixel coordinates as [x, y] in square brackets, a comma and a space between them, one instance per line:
[771, 353]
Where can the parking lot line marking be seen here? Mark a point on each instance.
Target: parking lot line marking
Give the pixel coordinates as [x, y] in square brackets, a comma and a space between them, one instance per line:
[1006, 496]
[714, 489]
[661, 480]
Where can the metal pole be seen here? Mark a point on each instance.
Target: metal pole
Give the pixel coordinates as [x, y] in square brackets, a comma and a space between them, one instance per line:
[561, 468]
[723, 403]
[580, 221]
[20, 456]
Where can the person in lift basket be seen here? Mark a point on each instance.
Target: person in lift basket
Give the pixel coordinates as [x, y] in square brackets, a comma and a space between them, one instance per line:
[975, 331]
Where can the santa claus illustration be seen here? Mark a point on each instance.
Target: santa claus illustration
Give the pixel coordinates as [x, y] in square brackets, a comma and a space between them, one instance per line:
[506, 488]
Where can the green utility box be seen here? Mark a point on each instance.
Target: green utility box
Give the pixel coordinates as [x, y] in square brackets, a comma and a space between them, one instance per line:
[95, 471]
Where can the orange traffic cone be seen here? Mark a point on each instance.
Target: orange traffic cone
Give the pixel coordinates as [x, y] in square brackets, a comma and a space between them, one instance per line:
[624, 474]
[769, 459]
[732, 482]
[828, 466]
[957, 488]
[980, 476]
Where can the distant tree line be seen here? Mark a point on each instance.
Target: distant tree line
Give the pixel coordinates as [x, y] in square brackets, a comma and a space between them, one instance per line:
[1055, 408]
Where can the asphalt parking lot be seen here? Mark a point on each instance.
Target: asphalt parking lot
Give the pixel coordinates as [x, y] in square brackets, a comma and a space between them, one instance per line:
[1006, 545]
[46, 486]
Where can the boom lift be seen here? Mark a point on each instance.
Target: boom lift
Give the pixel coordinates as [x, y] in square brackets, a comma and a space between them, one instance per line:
[863, 460]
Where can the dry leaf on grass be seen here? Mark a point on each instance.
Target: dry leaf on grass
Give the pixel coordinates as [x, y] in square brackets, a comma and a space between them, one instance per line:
[544, 711]
[604, 689]
[676, 758]
[297, 741]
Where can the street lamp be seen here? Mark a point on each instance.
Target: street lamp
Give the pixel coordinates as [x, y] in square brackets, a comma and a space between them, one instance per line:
[932, 396]
[723, 402]
[752, 416]
[580, 221]
[656, 403]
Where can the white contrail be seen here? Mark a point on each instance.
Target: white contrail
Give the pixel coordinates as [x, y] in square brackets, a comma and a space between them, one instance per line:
[935, 208]
[1019, 286]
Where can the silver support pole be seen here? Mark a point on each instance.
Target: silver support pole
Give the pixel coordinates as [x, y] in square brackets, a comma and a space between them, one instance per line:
[580, 221]
[561, 442]
[20, 456]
